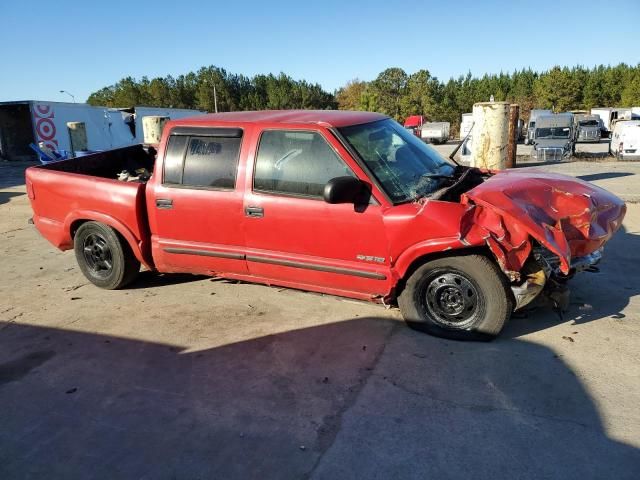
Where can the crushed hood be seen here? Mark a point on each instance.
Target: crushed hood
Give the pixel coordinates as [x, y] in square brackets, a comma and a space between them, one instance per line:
[570, 217]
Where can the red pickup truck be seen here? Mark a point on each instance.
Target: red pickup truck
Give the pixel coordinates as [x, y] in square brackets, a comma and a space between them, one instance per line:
[345, 203]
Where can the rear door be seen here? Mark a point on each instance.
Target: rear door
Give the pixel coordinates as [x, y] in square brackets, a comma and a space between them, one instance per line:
[196, 209]
[296, 238]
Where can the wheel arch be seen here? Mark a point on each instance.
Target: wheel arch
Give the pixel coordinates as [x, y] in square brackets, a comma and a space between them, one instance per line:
[75, 220]
[409, 266]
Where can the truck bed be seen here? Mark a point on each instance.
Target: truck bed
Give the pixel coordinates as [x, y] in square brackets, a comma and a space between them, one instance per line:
[65, 194]
[106, 164]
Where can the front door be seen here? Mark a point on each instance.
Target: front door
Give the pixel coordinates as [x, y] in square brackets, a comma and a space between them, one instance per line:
[195, 207]
[293, 236]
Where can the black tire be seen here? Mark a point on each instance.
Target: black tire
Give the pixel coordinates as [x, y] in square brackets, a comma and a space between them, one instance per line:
[464, 297]
[104, 257]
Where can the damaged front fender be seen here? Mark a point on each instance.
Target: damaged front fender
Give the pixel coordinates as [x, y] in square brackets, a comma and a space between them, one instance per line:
[570, 217]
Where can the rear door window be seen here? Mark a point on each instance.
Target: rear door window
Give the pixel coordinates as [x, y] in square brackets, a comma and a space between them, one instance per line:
[202, 161]
[296, 163]
[211, 162]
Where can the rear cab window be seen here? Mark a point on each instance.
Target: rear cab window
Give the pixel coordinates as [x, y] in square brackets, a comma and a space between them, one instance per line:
[202, 158]
[297, 163]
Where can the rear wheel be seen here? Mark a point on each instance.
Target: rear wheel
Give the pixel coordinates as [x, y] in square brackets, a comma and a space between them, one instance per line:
[462, 298]
[104, 257]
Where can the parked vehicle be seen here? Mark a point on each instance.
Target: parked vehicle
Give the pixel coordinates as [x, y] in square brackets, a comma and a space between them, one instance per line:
[414, 124]
[531, 125]
[435, 132]
[466, 123]
[344, 203]
[589, 128]
[625, 140]
[609, 116]
[554, 137]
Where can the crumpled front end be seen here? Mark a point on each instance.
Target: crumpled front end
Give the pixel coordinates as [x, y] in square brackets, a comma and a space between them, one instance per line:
[517, 212]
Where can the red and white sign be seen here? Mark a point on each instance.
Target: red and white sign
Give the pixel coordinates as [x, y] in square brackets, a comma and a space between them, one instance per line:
[45, 128]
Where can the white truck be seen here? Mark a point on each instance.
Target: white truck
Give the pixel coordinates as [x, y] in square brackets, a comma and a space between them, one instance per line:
[610, 115]
[625, 140]
[531, 125]
[589, 128]
[435, 132]
[554, 137]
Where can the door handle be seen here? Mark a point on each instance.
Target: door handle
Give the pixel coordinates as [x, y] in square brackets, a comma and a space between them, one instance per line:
[256, 212]
[164, 203]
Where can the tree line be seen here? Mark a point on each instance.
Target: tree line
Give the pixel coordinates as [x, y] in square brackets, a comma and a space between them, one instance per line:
[195, 90]
[394, 92]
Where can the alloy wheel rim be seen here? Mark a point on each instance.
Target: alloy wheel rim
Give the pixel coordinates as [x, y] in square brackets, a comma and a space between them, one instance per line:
[97, 255]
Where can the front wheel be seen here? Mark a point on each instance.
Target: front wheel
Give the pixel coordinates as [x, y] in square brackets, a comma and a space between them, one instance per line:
[463, 298]
[104, 257]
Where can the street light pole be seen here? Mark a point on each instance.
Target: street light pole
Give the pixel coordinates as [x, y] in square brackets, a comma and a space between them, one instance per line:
[72, 97]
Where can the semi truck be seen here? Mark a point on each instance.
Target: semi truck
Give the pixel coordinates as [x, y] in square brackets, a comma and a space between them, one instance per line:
[554, 137]
[589, 128]
[531, 124]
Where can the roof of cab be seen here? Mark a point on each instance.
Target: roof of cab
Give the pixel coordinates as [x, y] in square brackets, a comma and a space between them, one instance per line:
[330, 118]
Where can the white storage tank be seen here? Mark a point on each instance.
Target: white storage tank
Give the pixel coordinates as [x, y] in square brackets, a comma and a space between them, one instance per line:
[490, 135]
[152, 126]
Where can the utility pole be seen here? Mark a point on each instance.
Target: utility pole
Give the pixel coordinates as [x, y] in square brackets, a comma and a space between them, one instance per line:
[215, 98]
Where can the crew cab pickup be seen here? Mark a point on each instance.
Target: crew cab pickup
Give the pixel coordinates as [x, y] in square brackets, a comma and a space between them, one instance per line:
[345, 203]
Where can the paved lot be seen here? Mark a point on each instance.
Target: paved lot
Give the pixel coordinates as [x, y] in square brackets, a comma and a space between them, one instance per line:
[183, 377]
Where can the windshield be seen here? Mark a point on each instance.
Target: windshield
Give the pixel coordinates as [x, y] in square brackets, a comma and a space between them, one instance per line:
[554, 132]
[589, 123]
[404, 165]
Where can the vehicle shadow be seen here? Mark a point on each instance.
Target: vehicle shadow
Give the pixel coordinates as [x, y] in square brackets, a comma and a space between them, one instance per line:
[360, 398]
[12, 173]
[5, 197]
[147, 279]
[617, 280]
[603, 176]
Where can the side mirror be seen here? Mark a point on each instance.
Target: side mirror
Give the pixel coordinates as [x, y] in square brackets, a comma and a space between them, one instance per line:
[343, 190]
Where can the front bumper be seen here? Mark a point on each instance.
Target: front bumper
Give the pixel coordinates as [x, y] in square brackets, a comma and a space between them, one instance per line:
[534, 283]
[550, 154]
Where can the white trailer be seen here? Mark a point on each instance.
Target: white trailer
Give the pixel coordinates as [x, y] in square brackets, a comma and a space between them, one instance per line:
[466, 123]
[30, 121]
[435, 132]
[609, 116]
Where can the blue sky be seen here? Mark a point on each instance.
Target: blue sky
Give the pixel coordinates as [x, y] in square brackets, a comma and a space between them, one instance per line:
[81, 46]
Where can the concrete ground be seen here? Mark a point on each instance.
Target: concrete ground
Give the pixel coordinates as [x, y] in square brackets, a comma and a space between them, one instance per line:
[184, 377]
